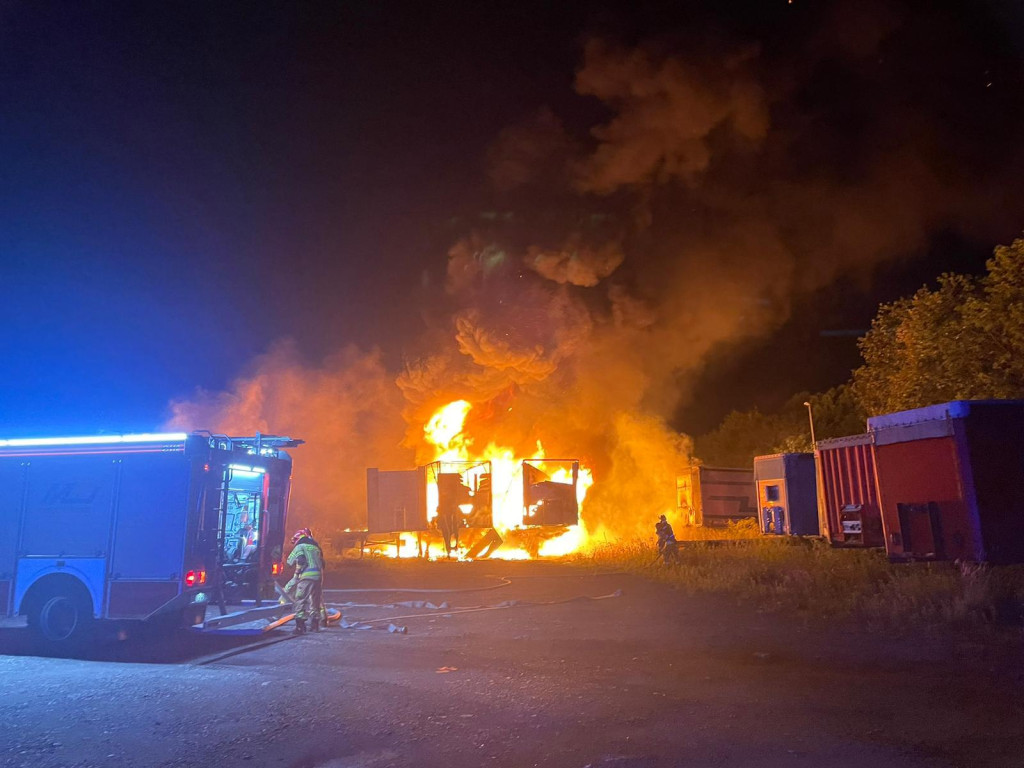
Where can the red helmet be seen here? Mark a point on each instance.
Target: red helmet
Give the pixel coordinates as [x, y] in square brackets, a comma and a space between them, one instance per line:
[301, 533]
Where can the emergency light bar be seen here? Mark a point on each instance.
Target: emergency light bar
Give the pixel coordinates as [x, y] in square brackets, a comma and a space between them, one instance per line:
[143, 437]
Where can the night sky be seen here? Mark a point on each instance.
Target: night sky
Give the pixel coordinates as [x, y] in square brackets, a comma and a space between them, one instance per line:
[182, 184]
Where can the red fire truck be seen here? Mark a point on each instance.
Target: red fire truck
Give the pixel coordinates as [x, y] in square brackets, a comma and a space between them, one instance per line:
[150, 527]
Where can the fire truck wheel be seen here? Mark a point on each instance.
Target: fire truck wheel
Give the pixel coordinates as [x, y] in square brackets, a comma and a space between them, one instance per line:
[62, 616]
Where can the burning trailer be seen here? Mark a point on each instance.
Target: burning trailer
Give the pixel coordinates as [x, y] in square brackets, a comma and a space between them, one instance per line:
[471, 509]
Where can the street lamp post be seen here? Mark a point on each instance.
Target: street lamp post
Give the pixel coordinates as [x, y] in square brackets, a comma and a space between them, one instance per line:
[810, 418]
[819, 485]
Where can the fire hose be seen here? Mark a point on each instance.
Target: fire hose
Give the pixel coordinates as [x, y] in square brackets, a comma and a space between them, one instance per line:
[333, 617]
[498, 607]
[504, 583]
[334, 614]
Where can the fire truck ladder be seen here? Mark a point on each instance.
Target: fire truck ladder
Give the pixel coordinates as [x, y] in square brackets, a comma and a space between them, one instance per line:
[220, 575]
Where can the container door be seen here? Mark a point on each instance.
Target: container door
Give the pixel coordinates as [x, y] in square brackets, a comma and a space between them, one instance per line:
[774, 505]
[685, 501]
[921, 529]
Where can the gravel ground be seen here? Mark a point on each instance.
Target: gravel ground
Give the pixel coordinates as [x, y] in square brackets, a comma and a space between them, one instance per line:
[539, 675]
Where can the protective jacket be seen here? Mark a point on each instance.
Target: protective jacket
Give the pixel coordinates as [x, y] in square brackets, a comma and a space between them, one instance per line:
[308, 560]
[665, 534]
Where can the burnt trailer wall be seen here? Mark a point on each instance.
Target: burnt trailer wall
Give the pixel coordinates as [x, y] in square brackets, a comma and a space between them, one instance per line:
[787, 494]
[396, 500]
[949, 480]
[716, 496]
[849, 491]
[547, 501]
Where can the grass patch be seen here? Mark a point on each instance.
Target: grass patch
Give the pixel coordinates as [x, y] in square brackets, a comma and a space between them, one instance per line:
[810, 577]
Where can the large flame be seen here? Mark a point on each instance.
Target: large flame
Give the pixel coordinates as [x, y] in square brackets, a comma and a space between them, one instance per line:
[445, 431]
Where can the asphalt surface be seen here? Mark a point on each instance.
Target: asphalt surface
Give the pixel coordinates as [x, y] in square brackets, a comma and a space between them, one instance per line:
[526, 670]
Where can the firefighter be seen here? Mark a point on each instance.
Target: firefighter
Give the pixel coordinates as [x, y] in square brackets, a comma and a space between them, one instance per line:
[668, 547]
[308, 560]
[293, 582]
[323, 574]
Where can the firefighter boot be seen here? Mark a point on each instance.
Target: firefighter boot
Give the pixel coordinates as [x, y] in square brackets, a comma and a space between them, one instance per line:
[300, 627]
[314, 624]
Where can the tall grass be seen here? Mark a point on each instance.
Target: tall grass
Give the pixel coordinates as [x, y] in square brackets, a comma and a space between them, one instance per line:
[809, 577]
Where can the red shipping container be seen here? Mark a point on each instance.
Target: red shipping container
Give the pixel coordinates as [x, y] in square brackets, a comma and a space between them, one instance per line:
[849, 491]
[949, 480]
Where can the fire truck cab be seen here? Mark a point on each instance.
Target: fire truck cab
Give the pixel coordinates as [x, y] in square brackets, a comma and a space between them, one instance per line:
[149, 527]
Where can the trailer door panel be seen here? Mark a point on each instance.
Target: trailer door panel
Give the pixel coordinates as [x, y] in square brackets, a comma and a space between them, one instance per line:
[151, 516]
[68, 506]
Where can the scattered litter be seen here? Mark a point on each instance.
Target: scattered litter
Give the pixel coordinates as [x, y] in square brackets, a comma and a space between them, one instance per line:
[425, 604]
[391, 627]
[346, 624]
[445, 670]
[451, 613]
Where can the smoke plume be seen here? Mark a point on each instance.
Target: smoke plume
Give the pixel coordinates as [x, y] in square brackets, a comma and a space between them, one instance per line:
[347, 409]
[725, 180]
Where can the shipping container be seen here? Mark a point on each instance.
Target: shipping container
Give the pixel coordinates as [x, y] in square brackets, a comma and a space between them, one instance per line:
[715, 496]
[949, 481]
[786, 494]
[849, 492]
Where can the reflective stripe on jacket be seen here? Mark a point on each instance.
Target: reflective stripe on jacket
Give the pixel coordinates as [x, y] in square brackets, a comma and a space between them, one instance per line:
[313, 569]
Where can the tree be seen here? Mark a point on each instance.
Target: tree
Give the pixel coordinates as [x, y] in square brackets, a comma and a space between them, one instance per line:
[837, 412]
[962, 340]
[742, 435]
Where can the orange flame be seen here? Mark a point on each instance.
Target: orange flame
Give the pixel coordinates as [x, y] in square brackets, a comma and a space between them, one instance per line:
[445, 431]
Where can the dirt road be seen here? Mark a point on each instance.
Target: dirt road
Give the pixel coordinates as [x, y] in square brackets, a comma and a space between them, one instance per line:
[539, 674]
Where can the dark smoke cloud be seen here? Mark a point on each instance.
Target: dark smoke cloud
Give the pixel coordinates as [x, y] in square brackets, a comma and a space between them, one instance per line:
[744, 175]
[537, 149]
[666, 110]
[727, 179]
[576, 262]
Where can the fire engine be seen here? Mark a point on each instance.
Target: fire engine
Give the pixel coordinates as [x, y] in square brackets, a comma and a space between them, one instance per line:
[151, 527]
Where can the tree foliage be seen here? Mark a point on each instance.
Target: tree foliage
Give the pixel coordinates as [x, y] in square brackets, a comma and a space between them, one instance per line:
[962, 340]
[742, 435]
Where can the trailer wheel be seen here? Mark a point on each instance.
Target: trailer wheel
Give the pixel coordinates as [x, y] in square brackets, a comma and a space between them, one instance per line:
[61, 615]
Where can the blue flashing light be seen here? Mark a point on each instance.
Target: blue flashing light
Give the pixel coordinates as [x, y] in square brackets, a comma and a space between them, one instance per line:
[143, 437]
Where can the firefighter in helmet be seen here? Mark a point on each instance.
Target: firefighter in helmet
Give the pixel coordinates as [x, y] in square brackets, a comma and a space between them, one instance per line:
[309, 570]
[668, 547]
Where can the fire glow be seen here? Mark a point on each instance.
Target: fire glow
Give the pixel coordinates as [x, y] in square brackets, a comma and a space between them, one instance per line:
[444, 431]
